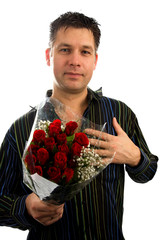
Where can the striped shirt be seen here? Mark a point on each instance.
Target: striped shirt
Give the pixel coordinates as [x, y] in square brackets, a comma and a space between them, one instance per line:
[94, 213]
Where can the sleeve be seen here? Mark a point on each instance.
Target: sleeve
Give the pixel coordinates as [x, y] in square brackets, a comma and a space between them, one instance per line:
[147, 167]
[13, 192]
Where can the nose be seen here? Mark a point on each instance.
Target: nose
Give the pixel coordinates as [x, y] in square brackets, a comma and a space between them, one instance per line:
[75, 59]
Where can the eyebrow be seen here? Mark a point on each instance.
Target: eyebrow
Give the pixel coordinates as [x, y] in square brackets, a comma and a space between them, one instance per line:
[69, 45]
[63, 45]
[88, 47]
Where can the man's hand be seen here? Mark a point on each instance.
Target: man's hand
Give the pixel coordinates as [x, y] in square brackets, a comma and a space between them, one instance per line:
[126, 152]
[43, 212]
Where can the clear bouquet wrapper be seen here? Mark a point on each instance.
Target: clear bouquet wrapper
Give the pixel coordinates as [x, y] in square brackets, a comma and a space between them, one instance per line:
[58, 160]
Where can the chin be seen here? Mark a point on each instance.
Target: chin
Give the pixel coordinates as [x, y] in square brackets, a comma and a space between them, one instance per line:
[76, 90]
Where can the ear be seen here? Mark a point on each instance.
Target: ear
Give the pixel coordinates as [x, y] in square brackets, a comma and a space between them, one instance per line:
[96, 60]
[47, 53]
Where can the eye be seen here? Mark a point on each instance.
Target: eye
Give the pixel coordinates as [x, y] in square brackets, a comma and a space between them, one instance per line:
[65, 50]
[85, 52]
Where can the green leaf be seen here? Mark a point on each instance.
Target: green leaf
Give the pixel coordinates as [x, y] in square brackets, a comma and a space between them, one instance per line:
[70, 138]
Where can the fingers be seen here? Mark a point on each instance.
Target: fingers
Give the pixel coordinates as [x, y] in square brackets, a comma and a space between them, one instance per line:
[99, 143]
[98, 134]
[49, 215]
[105, 145]
[50, 218]
[105, 136]
[105, 153]
[117, 127]
[107, 156]
[44, 213]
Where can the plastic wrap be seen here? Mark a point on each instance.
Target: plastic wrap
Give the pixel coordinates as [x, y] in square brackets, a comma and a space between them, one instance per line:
[58, 160]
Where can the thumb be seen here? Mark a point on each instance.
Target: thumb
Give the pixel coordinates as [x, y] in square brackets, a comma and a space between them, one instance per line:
[117, 127]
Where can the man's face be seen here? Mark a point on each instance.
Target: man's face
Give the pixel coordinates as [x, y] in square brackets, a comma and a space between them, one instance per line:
[74, 58]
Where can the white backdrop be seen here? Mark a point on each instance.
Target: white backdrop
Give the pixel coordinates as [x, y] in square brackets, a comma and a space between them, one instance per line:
[128, 69]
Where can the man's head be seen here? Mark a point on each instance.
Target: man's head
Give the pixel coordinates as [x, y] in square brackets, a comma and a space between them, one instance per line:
[74, 39]
[74, 20]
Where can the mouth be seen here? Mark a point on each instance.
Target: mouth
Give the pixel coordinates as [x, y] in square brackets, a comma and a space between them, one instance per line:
[73, 74]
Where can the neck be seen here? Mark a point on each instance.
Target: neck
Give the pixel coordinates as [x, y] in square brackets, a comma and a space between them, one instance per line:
[76, 101]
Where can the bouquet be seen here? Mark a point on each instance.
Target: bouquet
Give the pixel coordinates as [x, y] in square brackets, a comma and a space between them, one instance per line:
[58, 160]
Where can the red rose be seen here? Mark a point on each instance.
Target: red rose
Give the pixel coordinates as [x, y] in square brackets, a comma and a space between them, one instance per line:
[38, 170]
[33, 149]
[70, 127]
[76, 149]
[54, 129]
[68, 174]
[42, 156]
[71, 163]
[54, 174]
[60, 160]
[49, 143]
[30, 161]
[39, 136]
[63, 148]
[82, 139]
[61, 138]
[57, 122]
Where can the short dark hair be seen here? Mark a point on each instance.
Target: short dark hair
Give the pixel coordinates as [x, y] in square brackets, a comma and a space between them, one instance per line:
[75, 20]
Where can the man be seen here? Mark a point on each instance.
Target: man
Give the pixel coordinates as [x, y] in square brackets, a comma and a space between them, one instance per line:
[96, 212]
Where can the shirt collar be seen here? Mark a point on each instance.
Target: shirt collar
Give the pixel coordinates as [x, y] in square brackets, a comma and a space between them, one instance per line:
[94, 95]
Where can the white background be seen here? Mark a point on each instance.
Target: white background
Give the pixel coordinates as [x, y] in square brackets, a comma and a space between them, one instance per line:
[128, 69]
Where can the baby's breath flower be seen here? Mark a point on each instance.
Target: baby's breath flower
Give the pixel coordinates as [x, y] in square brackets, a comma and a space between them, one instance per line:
[88, 164]
[43, 125]
[62, 128]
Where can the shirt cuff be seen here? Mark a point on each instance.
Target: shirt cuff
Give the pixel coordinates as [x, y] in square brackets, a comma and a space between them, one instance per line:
[143, 164]
[20, 215]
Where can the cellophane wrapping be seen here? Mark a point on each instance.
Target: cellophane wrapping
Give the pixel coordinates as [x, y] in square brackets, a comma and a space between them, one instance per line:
[58, 160]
